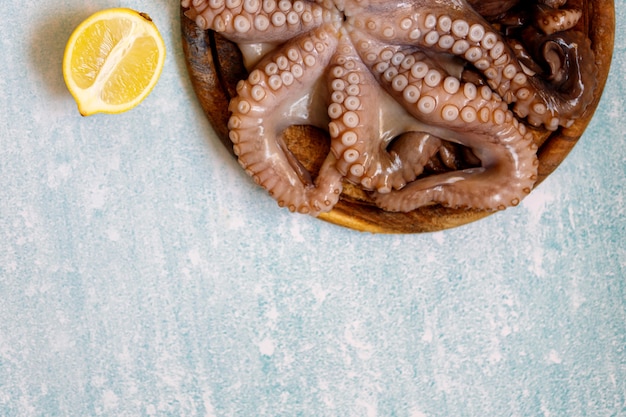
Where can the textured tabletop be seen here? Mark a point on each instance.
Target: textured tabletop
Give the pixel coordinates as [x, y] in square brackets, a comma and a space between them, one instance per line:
[143, 273]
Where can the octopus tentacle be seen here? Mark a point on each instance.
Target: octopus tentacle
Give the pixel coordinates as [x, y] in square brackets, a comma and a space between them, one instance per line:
[412, 151]
[359, 135]
[263, 109]
[247, 20]
[453, 27]
[569, 61]
[355, 131]
[473, 117]
[551, 20]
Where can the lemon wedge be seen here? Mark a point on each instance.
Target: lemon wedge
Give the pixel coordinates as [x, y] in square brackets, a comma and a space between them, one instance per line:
[113, 60]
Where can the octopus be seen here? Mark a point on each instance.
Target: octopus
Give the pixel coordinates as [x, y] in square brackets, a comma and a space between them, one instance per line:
[396, 84]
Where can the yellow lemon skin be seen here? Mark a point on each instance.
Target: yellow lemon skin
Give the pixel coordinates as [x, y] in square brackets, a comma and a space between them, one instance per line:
[113, 60]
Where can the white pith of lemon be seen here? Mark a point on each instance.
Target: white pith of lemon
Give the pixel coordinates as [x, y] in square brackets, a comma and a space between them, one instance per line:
[113, 60]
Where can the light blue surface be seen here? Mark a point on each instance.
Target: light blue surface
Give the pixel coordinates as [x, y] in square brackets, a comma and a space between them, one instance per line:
[142, 273]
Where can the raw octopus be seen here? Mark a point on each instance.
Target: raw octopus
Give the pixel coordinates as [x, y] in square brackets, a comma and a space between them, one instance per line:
[395, 84]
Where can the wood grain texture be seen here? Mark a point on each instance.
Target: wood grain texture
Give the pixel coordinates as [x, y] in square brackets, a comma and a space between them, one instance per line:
[215, 66]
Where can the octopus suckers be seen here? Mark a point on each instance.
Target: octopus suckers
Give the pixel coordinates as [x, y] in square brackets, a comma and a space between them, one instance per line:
[460, 47]
[499, 116]
[298, 6]
[333, 129]
[338, 84]
[388, 32]
[349, 138]
[287, 78]
[278, 19]
[275, 82]
[399, 83]
[473, 54]
[257, 93]
[297, 70]
[242, 24]
[451, 85]
[483, 114]
[251, 6]
[446, 42]
[497, 50]
[489, 41]
[261, 23]
[337, 72]
[426, 104]
[357, 170]
[485, 93]
[431, 38]
[444, 24]
[354, 78]
[408, 62]
[397, 59]
[411, 94]
[234, 123]
[284, 5]
[469, 90]
[430, 22]
[432, 78]
[255, 77]
[352, 103]
[243, 107]
[338, 97]
[468, 114]
[539, 108]
[406, 24]
[520, 78]
[476, 32]
[390, 74]
[510, 71]
[386, 55]
[351, 155]
[381, 67]
[449, 112]
[491, 73]
[335, 110]
[482, 64]
[282, 62]
[415, 34]
[353, 90]
[310, 60]
[271, 69]
[371, 57]
[460, 28]
[351, 119]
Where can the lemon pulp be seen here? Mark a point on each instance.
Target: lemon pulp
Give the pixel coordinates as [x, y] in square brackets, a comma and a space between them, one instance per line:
[113, 60]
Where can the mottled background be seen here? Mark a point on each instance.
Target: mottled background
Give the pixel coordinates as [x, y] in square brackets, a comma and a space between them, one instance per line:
[142, 273]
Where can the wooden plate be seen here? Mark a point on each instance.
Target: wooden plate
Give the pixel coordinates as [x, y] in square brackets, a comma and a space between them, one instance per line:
[215, 66]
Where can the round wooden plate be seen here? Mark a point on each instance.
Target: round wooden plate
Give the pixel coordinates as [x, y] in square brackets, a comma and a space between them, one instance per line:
[215, 66]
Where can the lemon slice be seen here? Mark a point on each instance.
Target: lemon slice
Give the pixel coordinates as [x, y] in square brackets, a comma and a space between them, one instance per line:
[113, 60]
